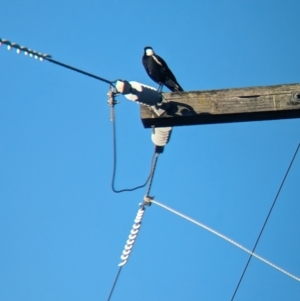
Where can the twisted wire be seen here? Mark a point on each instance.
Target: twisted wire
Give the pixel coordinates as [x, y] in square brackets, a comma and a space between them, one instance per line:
[226, 238]
[129, 244]
[154, 162]
[132, 236]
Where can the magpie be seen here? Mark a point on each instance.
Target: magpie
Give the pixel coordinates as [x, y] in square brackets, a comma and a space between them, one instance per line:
[159, 71]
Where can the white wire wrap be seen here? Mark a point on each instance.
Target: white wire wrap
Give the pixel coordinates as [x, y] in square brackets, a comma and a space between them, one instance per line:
[132, 236]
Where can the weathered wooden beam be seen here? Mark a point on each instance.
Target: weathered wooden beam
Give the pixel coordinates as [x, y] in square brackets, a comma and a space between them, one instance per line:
[228, 105]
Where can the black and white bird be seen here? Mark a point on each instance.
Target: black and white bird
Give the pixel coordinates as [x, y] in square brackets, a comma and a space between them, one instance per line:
[159, 71]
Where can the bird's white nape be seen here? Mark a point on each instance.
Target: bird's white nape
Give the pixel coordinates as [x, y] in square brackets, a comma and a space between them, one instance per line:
[149, 52]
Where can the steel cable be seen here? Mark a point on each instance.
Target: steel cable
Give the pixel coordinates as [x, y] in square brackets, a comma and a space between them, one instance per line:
[266, 220]
[225, 238]
[153, 161]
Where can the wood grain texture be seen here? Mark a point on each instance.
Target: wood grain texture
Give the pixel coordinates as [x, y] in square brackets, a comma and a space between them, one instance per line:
[228, 105]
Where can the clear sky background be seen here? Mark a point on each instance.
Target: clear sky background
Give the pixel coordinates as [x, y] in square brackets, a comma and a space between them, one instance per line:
[62, 228]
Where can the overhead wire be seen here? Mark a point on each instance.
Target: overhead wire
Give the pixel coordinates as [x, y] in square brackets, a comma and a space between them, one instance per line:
[153, 161]
[153, 167]
[129, 243]
[114, 283]
[47, 57]
[138, 220]
[79, 71]
[41, 57]
[266, 220]
[225, 238]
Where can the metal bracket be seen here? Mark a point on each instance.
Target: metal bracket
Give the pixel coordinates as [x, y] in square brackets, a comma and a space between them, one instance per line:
[111, 101]
[148, 200]
[161, 107]
[111, 96]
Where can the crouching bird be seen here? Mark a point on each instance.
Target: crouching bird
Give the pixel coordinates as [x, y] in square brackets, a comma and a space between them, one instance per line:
[159, 71]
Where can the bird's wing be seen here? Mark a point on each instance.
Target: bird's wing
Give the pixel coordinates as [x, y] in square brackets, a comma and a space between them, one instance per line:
[164, 66]
[145, 64]
[160, 62]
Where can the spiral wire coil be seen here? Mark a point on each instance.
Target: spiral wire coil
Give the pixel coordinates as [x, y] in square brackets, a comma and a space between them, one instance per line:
[132, 236]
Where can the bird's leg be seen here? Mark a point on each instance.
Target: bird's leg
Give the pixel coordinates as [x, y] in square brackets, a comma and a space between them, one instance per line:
[160, 87]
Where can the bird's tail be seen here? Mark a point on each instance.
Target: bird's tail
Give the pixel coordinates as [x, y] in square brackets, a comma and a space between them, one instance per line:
[173, 86]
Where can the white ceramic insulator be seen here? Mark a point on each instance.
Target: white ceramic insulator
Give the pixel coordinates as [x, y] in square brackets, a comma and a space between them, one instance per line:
[161, 136]
[138, 92]
[123, 86]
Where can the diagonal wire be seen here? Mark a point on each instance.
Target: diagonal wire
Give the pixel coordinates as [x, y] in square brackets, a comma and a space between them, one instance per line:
[114, 284]
[129, 243]
[48, 58]
[266, 220]
[225, 238]
[153, 166]
[78, 70]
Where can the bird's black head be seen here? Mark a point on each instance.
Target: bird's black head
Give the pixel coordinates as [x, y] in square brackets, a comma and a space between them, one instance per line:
[148, 51]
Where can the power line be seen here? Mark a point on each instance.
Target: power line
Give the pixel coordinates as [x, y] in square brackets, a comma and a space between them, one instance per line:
[129, 243]
[266, 220]
[41, 56]
[79, 71]
[112, 102]
[47, 57]
[153, 161]
[137, 222]
[225, 238]
[114, 284]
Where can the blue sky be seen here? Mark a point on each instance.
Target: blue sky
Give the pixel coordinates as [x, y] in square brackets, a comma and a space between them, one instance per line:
[62, 229]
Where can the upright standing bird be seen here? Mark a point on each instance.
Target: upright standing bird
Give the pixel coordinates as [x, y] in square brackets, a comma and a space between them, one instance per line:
[159, 71]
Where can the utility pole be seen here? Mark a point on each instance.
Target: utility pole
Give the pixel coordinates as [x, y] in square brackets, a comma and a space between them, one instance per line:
[227, 105]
